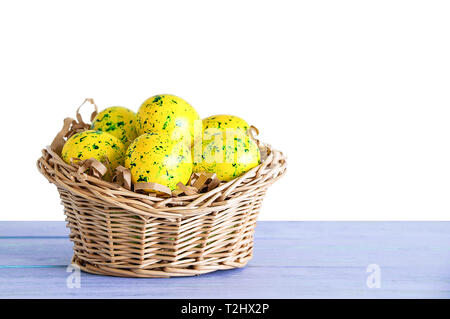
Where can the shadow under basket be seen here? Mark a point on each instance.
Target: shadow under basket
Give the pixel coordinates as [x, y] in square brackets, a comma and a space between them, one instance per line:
[118, 232]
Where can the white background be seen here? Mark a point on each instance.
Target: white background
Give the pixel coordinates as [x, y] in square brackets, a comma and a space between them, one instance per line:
[356, 93]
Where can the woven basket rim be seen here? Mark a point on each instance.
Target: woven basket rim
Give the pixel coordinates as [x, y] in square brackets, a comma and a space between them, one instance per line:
[100, 191]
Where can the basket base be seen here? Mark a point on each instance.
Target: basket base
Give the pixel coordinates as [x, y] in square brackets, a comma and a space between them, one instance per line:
[165, 272]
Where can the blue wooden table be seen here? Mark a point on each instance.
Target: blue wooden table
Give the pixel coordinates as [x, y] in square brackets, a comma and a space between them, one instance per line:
[291, 260]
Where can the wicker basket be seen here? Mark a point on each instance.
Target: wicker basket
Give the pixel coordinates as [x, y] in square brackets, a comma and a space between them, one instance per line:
[119, 232]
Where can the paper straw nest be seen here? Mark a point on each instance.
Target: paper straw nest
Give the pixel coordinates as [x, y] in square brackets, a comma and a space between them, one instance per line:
[116, 230]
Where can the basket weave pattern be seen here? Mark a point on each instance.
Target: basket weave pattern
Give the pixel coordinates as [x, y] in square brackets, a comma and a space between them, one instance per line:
[123, 233]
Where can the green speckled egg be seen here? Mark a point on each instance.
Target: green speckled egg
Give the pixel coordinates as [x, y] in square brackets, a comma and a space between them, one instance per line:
[156, 158]
[228, 159]
[117, 121]
[167, 114]
[224, 122]
[96, 144]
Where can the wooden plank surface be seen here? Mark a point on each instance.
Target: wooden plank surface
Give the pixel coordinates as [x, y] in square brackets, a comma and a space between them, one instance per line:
[291, 260]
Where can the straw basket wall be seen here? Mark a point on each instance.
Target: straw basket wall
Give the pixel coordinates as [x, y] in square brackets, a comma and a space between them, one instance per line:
[119, 232]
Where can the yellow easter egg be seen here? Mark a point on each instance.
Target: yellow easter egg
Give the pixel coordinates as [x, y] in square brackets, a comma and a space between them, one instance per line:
[167, 114]
[117, 121]
[227, 158]
[224, 122]
[156, 158]
[97, 144]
